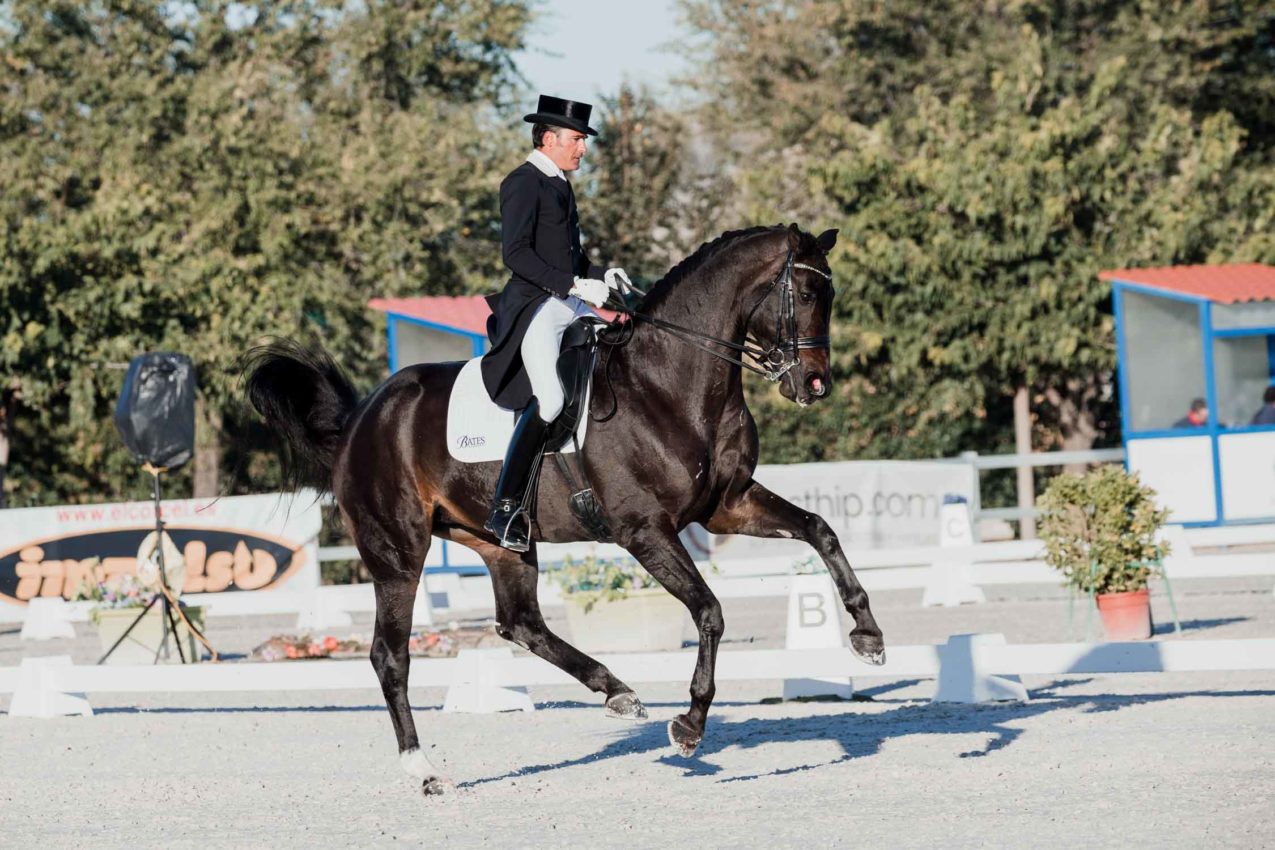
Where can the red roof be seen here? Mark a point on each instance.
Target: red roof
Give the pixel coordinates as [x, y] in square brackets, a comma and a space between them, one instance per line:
[1223, 284]
[463, 312]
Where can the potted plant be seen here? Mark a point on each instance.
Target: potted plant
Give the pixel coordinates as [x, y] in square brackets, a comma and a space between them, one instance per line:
[1099, 530]
[119, 600]
[615, 606]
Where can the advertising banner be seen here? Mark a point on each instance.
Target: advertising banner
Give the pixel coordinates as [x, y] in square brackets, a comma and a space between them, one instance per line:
[869, 504]
[232, 544]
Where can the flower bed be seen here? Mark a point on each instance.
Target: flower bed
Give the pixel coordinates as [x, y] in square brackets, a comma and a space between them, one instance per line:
[443, 643]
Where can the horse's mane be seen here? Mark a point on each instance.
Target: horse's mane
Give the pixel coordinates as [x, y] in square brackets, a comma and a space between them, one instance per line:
[696, 261]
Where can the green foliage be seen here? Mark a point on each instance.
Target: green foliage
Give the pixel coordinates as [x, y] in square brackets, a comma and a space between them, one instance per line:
[196, 176]
[646, 201]
[1099, 530]
[983, 161]
[594, 579]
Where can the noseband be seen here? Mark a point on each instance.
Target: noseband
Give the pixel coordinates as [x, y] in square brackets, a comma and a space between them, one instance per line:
[774, 362]
[782, 354]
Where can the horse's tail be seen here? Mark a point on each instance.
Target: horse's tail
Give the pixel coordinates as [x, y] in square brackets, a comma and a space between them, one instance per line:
[307, 400]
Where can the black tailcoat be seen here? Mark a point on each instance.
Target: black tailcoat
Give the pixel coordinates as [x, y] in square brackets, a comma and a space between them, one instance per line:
[540, 232]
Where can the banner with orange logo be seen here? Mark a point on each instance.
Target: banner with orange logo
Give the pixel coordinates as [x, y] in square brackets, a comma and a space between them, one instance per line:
[231, 544]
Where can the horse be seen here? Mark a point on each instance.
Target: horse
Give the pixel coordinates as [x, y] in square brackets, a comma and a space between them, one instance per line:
[678, 446]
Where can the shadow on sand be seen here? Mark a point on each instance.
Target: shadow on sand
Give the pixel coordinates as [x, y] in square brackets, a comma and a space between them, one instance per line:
[1194, 625]
[862, 734]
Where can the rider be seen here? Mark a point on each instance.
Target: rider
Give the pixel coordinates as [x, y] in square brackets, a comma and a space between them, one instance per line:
[552, 282]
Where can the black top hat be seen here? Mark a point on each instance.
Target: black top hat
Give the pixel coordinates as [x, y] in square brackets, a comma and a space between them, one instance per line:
[557, 112]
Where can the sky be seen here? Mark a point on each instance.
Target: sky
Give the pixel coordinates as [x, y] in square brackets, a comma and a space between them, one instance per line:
[580, 48]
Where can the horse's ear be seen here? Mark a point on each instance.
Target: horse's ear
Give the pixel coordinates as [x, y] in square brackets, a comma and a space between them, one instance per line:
[794, 237]
[827, 240]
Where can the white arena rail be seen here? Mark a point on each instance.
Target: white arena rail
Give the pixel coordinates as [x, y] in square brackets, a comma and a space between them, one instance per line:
[969, 668]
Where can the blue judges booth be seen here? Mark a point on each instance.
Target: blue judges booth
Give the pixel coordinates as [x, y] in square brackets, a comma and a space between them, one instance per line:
[1189, 333]
[433, 329]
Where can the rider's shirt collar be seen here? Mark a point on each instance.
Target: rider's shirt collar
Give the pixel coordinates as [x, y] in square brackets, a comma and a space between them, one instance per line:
[545, 164]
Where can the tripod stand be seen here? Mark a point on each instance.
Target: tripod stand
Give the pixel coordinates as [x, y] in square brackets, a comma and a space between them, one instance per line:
[164, 596]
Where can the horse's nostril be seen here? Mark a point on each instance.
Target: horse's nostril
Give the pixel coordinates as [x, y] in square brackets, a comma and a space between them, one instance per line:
[816, 386]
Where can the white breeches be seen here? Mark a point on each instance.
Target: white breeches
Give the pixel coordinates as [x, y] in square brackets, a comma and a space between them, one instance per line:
[540, 350]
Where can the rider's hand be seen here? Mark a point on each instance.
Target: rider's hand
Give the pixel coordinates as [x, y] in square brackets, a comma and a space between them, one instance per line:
[593, 292]
[618, 279]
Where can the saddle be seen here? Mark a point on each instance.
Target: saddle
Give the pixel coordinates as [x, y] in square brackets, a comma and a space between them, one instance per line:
[478, 430]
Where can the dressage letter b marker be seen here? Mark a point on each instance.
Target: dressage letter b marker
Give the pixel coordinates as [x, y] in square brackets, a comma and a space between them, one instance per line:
[810, 610]
[814, 622]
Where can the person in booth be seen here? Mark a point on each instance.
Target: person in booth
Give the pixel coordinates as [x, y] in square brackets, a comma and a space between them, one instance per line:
[1266, 416]
[552, 281]
[1196, 417]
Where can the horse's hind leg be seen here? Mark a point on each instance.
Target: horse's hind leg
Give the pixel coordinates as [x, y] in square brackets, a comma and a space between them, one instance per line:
[395, 558]
[518, 619]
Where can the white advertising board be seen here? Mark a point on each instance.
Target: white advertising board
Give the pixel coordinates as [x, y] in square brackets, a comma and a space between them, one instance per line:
[869, 504]
[233, 546]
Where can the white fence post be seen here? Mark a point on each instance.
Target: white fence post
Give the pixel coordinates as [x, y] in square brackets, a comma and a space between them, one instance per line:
[47, 618]
[475, 689]
[948, 583]
[322, 611]
[814, 622]
[964, 677]
[38, 694]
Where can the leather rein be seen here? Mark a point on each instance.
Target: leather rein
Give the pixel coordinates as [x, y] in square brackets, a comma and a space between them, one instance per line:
[772, 363]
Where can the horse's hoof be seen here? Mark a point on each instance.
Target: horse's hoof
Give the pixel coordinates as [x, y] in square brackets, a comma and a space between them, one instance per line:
[869, 648]
[683, 737]
[626, 706]
[436, 786]
[418, 765]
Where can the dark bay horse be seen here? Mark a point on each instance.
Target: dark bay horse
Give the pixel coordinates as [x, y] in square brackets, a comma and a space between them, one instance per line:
[681, 448]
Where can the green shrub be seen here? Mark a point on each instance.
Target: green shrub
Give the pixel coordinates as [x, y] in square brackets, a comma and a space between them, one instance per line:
[1099, 530]
[593, 579]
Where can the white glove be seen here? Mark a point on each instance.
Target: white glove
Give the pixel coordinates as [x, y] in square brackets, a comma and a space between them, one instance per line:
[617, 278]
[593, 292]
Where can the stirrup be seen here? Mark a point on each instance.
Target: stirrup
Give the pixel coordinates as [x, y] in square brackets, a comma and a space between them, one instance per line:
[515, 539]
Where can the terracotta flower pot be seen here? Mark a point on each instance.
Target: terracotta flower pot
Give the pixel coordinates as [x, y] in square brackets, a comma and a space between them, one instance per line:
[1126, 616]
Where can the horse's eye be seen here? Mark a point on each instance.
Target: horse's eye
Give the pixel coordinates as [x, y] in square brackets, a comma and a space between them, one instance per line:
[807, 297]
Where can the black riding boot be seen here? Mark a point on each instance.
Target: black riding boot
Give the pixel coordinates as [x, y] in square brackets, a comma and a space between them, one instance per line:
[509, 520]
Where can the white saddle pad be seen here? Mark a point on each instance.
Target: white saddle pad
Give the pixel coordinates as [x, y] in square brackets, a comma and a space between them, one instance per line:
[478, 429]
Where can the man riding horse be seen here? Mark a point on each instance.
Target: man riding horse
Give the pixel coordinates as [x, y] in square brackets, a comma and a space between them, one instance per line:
[552, 282]
[678, 446]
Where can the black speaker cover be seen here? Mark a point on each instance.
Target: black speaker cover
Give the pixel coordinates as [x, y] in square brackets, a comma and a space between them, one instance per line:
[156, 411]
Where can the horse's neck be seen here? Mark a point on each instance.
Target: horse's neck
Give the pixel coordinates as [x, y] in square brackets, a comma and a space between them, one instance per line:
[662, 360]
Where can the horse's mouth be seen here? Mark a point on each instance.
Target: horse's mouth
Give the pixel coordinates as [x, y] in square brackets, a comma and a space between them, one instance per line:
[816, 386]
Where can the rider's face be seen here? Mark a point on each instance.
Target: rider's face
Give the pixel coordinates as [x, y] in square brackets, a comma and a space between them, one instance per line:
[566, 148]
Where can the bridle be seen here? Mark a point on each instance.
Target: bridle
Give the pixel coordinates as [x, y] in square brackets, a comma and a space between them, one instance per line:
[773, 362]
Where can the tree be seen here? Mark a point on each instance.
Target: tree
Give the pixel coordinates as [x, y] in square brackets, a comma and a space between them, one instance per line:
[648, 198]
[983, 167]
[196, 176]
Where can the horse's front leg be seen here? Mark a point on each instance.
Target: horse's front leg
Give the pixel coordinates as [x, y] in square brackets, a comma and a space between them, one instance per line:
[758, 512]
[659, 551]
